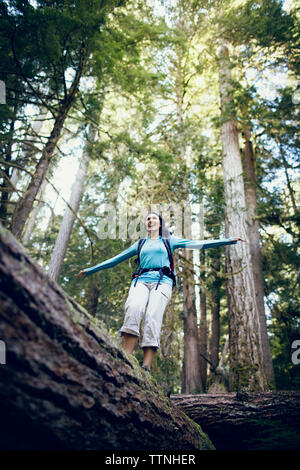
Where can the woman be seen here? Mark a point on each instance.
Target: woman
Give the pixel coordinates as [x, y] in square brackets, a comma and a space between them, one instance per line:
[151, 290]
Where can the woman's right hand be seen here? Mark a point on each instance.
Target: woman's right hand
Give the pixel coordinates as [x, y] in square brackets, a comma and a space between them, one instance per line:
[82, 273]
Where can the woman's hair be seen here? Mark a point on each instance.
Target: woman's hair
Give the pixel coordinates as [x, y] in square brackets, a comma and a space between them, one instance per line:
[163, 230]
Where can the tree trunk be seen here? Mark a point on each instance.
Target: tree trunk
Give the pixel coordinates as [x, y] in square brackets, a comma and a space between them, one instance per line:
[203, 324]
[34, 213]
[254, 241]
[28, 148]
[256, 420]
[67, 223]
[93, 296]
[288, 181]
[215, 312]
[247, 369]
[24, 206]
[66, 384]
[191, 376]
[192, 382]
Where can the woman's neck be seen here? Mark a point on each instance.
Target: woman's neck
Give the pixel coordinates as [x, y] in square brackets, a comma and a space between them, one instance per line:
[153, 235]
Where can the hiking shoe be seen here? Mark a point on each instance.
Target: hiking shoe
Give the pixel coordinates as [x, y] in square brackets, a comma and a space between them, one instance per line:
[146, 369]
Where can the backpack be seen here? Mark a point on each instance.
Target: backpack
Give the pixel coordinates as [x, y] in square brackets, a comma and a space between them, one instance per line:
[170, 272]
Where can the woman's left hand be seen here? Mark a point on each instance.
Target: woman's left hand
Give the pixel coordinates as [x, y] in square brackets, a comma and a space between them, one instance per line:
[236, 239]
[82, 273]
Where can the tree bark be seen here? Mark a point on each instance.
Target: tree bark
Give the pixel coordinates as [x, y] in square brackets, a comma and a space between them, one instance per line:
[203, 323]
[215, 312]
[288, 181]
[254, 242]
[34, 213]
[93, 296]
[65, 383]
[192, 382]
[256, 420]
[247, 368]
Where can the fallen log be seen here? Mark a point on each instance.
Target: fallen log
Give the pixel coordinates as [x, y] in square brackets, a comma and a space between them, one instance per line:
[254, 420]
[65, 383]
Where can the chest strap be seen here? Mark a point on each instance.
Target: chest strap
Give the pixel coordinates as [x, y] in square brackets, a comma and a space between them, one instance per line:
[165, 270]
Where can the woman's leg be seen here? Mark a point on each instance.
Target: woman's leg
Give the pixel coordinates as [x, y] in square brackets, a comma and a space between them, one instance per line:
[149, 354]
[134, 309]
[158, 301]
[129, 342]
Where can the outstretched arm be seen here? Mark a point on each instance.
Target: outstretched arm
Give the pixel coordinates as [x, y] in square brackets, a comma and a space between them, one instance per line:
[202, 244]
[126, 254]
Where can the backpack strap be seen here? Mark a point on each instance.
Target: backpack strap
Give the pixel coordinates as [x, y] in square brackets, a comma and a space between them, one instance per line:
[171, 259]
[137, 260]
[168, 248]
[140, 246]
[139, 271]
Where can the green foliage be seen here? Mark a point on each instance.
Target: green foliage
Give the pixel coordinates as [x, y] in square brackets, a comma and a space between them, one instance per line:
[263, 21]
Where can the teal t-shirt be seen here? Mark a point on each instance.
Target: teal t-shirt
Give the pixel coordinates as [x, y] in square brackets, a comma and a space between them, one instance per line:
[154, 255]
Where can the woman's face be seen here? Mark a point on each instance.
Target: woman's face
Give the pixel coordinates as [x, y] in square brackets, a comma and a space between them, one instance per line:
[152, 223]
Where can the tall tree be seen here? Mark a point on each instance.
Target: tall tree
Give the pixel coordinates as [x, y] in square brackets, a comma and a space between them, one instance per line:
[34, 213]
[214, 344]
[192, 380]
[30, 145]
[25, 204]
[246, 354]
[250, 185]
[75, 39]
[203, 321]
[66, 226]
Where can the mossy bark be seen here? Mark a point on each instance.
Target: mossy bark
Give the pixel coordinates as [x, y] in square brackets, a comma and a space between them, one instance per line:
[241, 421]
[65, 383]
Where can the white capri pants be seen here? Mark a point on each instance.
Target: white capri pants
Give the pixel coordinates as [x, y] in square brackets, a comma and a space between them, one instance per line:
[140, 297]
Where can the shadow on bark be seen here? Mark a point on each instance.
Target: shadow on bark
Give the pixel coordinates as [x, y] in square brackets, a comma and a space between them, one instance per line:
[66, 384]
